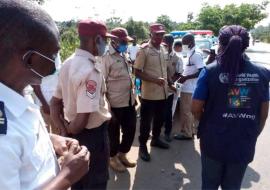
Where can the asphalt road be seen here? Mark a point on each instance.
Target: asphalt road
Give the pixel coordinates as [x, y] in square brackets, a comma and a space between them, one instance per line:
[179, 167]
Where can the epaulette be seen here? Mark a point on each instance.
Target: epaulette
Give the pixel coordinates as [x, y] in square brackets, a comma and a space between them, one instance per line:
[145, 45]
[3, 119]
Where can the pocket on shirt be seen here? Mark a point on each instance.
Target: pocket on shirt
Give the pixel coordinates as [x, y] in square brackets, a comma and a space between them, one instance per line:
[116, 70]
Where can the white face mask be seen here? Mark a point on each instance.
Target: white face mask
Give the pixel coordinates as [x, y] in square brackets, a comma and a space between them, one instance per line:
[179, 54]
[185, 49]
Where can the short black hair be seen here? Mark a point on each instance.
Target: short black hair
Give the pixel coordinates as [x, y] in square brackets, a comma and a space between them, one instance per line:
[188, 38]
[168, 39]
[177, 44]
[21, 25]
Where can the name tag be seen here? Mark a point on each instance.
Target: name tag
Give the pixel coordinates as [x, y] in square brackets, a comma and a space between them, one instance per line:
[3, 119]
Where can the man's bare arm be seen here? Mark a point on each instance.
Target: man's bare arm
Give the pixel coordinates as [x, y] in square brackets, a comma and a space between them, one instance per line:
[197, 108]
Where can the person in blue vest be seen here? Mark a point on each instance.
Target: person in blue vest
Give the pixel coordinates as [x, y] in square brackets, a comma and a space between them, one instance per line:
[231, 101]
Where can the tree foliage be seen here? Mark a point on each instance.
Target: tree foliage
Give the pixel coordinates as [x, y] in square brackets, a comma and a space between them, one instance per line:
[209, 17]
[167, 22]
[113, 22]
[69, 40]
[247, 15]
[138, 28]
[262, 33]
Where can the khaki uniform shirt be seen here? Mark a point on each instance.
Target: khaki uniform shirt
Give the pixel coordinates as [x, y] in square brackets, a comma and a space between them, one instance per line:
[117, 73]
[81, 85]
[152, 62]
[175, 65]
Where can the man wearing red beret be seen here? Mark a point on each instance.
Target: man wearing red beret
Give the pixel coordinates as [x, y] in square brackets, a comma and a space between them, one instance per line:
[121, 96]
[150, 66]
[80, 94]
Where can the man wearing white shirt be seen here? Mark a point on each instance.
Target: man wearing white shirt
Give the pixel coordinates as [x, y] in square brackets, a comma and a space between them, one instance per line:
[133, 49]
[192, 67]
[28, 152]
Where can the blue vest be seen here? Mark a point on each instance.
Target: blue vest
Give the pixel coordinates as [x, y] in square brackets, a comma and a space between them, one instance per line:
[229, 126]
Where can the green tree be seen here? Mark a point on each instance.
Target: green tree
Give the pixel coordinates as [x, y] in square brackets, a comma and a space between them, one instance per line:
[247, 15]
[262, 33]
[167, 22]
[190, 17]
[138, 28]
[188, 26]
[113, 22]
[210, 18]
[69, 40]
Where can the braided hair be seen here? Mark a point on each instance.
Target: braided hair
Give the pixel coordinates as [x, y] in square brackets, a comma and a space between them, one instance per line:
[233, 40]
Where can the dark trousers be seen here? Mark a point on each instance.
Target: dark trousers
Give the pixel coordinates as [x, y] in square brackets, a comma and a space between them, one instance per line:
[169, 118]
[227, 175]
[126, 119]
[151, 110]
[97, 142]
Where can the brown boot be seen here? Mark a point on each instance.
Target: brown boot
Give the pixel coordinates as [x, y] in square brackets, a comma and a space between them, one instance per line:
[116, 165]
[123, 158]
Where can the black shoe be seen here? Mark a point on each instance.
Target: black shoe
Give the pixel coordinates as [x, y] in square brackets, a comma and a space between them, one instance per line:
[159, 143]
[168, 138]
[143, 153]
[182, 137]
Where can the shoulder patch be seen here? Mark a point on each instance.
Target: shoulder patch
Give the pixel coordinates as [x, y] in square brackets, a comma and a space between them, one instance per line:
[91, 88]
[3, 119]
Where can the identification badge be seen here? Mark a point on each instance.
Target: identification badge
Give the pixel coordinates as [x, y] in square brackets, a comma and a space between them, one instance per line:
[3, 119]
[91, 88]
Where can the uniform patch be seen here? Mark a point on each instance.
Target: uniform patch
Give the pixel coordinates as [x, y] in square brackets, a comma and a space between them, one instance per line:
[91, 88]
[3, 119]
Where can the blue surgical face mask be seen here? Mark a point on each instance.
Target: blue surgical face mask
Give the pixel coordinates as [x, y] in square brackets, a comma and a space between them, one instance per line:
[122, 48]
[101, 46]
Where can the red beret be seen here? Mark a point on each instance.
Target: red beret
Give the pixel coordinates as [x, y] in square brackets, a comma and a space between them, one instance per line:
[121, 33]
[90, 27]
[157, 28]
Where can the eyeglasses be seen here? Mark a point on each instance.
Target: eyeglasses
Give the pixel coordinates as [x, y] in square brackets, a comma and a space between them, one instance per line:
[40, 54]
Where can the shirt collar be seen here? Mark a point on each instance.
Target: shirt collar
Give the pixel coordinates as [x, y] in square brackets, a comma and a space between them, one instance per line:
[191, 51]
[172, 53]
[112, 50]
[14, 102]
[83, 53]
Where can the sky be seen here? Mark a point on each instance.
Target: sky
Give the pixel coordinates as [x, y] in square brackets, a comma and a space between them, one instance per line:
[139, 10]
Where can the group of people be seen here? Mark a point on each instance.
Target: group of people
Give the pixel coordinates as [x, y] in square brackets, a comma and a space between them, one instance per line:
[224, 103]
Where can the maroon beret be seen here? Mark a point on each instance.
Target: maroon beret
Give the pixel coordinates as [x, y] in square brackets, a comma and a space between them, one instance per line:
[157, 28]
[91, 27]
[121, 33]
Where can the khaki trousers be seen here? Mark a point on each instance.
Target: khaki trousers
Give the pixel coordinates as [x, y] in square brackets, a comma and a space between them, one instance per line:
[188, 124]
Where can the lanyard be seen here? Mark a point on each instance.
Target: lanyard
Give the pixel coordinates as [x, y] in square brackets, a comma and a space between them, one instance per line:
[189, 64]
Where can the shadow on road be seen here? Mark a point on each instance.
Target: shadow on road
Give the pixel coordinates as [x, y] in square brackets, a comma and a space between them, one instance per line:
[251, 176]
[176, 168]
[119, 180]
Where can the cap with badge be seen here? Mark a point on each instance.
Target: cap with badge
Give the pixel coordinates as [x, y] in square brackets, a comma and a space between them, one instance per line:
[157, 28]
[91, 27]
[122, 34]
[3, 119]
